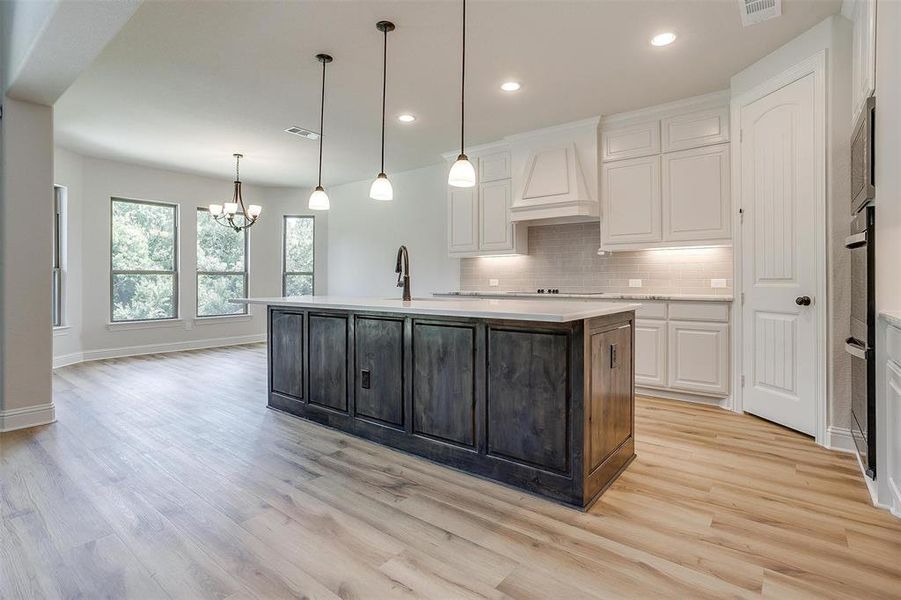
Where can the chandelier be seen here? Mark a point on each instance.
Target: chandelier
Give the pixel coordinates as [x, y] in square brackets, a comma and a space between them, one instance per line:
[235, 214]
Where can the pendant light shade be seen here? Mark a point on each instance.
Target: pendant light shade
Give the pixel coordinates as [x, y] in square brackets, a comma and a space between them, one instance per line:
[462, 173]
[319, 199]
[381, 188]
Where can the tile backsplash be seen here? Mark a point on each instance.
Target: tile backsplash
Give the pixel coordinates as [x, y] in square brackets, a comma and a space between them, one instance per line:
[565, 257]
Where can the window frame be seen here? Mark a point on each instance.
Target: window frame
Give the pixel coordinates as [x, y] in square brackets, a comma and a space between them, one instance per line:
[176, 299]
[198, 273]
[58, 287]
[285, 272]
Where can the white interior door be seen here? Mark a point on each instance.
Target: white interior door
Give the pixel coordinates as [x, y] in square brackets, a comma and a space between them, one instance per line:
[778, 197]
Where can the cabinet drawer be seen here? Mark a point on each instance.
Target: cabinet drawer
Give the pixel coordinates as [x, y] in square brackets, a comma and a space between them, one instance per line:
[651, 310]
[699, 311]
[642, 139]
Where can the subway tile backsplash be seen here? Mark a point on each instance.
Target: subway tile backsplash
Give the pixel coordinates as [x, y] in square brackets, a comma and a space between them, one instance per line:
[565, 257]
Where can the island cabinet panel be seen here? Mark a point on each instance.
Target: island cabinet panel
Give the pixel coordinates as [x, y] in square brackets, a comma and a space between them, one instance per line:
[327, 353]
[379, 387]
[286, 353]
[528, 397]
[444, 382]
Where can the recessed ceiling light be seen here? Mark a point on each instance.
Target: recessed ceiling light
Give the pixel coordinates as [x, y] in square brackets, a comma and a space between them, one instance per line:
[511, 86]
[663, 39]
[406, 118]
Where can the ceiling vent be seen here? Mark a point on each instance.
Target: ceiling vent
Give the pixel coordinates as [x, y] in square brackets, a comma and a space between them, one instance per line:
[755, 11]
[305, 133]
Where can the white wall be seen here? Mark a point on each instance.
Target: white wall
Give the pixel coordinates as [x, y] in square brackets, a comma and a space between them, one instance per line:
[834, 35]
[91, 183]
[364, 235]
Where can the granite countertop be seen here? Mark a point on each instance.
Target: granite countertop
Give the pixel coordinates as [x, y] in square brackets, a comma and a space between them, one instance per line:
[587, 296]
[892, 317]
[547, 310]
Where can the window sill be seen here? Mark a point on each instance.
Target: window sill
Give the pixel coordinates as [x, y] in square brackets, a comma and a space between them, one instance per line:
[222, 319]
[127, 325]
[61, 330]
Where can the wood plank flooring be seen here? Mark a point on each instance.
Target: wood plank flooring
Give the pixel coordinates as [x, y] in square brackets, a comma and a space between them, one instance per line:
[166, 477]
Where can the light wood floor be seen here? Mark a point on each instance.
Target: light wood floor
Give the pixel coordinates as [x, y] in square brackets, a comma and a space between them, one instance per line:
[166, 476]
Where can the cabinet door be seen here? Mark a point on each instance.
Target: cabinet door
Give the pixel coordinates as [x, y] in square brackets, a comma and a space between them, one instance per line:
[641, 139]
[650, 353]
[631, 201]
[495, 228]
[695, 129]
[494, 166]
[893, 423]
[863, 55]
[327, 354]
[379, 388]
[286, 353]
[463, 219]
[698, 357]
[610, 394]
[696, 194]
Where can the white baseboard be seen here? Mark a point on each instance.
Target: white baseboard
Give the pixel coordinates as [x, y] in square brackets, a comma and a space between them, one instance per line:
[684, 397]
[78, 357]
[839, 438]
[30, 416]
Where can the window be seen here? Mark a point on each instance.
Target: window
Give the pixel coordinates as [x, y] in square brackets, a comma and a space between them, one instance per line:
[143, 260]
[221, 267]
[59, 199]
[297, 251]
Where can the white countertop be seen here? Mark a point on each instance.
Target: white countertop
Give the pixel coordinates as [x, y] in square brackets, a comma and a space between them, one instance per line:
[553, 311]
[587, 296]
[892, 317]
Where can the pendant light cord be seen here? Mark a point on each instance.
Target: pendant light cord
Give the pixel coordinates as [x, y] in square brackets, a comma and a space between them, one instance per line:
[463, 83]
[237, 168]
[384, 91]
[321, 122]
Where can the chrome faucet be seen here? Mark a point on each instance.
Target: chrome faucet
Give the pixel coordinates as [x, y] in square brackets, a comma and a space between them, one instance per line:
[403, 271]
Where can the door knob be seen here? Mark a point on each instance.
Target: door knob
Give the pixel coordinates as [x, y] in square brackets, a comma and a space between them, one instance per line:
[802, 300]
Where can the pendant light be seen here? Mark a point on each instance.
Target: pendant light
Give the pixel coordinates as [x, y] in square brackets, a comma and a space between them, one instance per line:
[381, 188]
[462, 173]
[235, 214]
[319, 199]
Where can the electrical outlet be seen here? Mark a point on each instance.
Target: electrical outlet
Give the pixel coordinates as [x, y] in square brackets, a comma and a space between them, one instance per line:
[717, 283]
[493, 282]
[635, 283]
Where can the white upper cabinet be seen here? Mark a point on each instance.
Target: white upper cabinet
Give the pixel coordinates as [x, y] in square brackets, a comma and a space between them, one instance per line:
[494, 166]
[863, 52]
[695, 129]
[495, 229]
[478, 218]
[695, 194]
[631, 201]
[631, 141]
[677, 192]
[462, 220]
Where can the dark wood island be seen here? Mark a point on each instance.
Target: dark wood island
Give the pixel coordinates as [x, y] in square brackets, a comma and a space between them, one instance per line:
[535, 394]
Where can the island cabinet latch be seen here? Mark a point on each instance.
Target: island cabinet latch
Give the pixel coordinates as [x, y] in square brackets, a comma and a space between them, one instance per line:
[612, 356]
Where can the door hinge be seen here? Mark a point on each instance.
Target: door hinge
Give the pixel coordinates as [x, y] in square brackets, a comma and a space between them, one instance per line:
[742, 298]
[741, 135]
[741, 215]
[742, 381]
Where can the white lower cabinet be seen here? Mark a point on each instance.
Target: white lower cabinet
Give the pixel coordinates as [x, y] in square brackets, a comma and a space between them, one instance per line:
[650, 352]
[698, 357]
[683, 347]
[893, 424]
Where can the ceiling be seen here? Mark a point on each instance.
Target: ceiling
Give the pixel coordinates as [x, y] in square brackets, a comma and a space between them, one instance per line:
[186, 84]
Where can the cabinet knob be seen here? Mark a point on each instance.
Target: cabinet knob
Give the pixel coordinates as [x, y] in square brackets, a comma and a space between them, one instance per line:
[802, 300]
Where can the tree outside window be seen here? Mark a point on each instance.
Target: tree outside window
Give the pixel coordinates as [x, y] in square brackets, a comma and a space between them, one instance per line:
[221, 267]
[298, 264]
[143, 260]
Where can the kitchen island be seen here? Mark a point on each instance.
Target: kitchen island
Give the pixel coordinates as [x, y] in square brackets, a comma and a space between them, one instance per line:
[536, 394]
